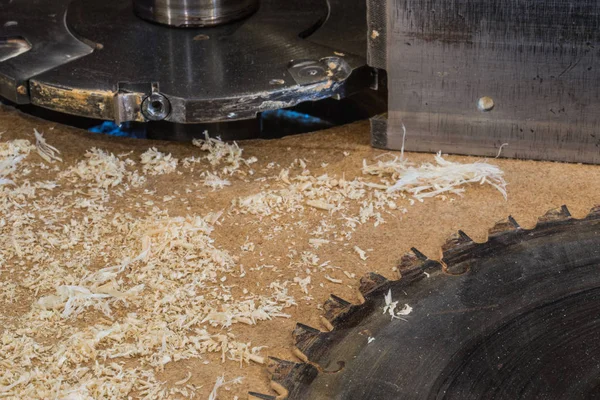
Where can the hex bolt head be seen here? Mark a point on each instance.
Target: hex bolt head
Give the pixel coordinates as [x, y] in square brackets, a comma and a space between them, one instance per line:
[156, 107]
[485, 104]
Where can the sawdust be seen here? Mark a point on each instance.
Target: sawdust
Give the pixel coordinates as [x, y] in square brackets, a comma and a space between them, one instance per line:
[288, 252]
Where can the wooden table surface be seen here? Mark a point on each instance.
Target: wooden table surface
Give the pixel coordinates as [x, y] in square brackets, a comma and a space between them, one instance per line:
[533, 188]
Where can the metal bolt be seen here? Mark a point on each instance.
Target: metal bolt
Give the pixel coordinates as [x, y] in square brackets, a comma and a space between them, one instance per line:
[307, 72]
[21, 89]
[156, 107]
[485, 104]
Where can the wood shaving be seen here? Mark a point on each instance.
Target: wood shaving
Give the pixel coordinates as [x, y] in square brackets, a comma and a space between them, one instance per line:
[303, 283]
[215, 182]
[103, 170]
[361, 253]
[248, 246]
[221, 382]
[316, 242]
[330, 279]
[46, 151]
[156, 163]
[350, 275]
[11, 154]
[430, 180]
[320, 204]
[220, 152]
[390, 307]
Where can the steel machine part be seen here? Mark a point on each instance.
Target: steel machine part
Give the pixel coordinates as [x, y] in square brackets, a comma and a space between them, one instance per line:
[98, 59]
[515, 317]
[194, 13]
[468, 76]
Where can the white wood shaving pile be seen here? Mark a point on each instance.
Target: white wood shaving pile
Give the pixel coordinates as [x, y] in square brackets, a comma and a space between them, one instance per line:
[220, 152]
[229, 154]
[103, 170]
[149, 287]
[11, 154]
[157, 163]
[430, 180]
[320, 192]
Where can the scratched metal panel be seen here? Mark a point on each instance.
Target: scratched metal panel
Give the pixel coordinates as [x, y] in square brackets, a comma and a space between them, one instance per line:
[537, 60]
[377, 33]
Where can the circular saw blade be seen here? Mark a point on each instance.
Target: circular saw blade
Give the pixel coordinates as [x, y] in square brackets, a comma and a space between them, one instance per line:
[99, 60]
[514, 317]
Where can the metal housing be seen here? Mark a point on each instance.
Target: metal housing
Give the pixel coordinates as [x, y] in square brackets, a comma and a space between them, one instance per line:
[468, 76]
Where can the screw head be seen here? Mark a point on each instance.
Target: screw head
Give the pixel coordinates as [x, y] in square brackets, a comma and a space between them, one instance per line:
[307, 72]
[485, 104]
[156, 107]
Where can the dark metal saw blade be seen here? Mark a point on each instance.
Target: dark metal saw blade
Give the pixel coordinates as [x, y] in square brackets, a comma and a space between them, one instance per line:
[515, 317]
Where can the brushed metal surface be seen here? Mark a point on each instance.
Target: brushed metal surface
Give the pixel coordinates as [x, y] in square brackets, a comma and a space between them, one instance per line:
[466, 76]
[194, 13]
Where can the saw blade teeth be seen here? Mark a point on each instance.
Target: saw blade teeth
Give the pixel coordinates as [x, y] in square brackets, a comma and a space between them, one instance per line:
[281, 369]
[416, 265]
[513, 221]
[418, 254]
[339, 300]
[453, 253]
[409, 261]
[556, 215]
[458, 239]
[335, 307]
[594, 212]
[505, 225]
[464, 237]
[371, 282]
[461, 255]
[304, 336]
[289, 376]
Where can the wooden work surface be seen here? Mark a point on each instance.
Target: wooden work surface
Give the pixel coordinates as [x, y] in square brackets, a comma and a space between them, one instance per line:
[533, 189]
